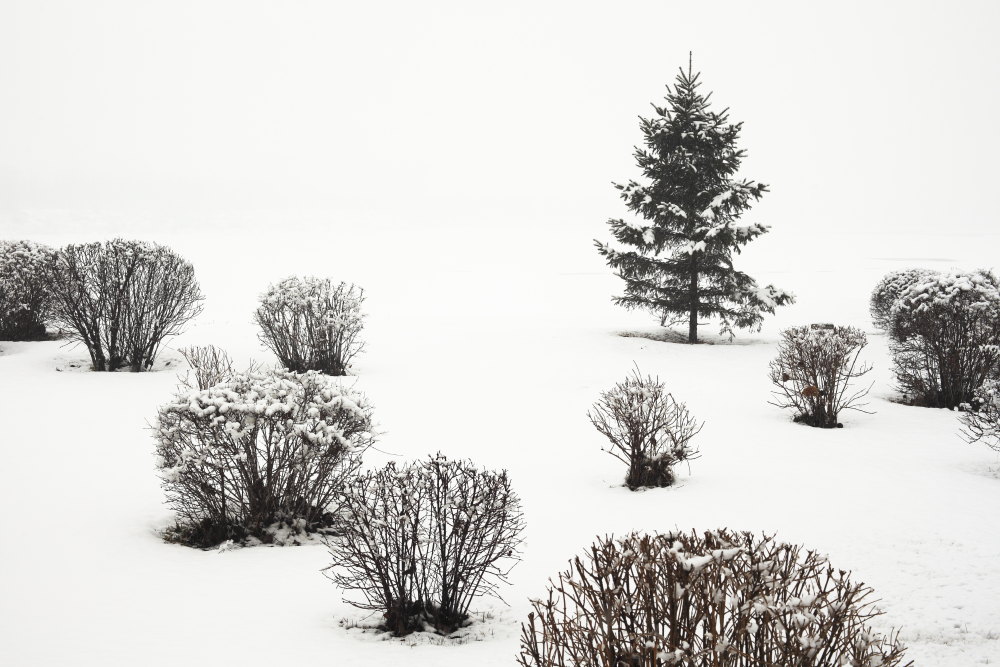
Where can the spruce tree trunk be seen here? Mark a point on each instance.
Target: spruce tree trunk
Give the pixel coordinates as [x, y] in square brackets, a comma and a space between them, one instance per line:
[693, 321]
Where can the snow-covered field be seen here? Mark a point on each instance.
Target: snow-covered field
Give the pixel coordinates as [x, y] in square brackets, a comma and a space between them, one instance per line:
[485, 341]
[454, 159]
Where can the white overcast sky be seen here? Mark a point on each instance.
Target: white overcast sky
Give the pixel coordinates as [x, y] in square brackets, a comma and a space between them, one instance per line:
[860, 115]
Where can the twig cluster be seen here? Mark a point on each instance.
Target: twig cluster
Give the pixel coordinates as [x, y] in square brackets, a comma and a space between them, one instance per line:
[122, 299]
[419, 542]
[981, 416]
[209, 366]
[814, 370]
[649, 430]
[716, 599]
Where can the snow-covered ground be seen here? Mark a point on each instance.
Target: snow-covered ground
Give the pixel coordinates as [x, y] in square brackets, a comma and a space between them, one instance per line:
[489, 340]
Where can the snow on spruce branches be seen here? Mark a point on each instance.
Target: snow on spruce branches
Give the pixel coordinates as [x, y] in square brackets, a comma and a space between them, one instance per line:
[679, 264]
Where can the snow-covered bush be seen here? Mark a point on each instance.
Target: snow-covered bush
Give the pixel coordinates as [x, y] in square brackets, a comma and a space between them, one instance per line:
[24, 289]
[649, 431]
[945, 337]
[981, 416]
[420, 542]
[259, 449]
[889, 289]
[122, 299]
[312, 323]
[814, 370]
[719, 598]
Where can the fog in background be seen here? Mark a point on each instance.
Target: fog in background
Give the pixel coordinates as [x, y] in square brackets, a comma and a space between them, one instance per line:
[863, 117]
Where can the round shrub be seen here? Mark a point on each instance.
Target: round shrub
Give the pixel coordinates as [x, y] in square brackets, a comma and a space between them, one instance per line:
[719, 599]
[649, 431]
[945, 337]
[814, 370]
[24, 289]
[260, 451]
[420, 542]
[312, 323]
[889, 289]
[981, 416]
[122, 299]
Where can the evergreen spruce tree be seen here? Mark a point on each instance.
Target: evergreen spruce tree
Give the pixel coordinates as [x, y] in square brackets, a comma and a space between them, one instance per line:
[680, 263]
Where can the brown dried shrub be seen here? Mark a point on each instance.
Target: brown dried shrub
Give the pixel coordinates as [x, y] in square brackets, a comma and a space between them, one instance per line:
[713, 599]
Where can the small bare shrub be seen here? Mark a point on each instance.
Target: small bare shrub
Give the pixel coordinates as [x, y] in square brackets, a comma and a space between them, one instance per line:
[122, 299]
[814, 370]
[259, 449]
[312, 323]
[889, 289]
[717, 599]
[649, 430]
[421, 542]
[209, 366]
[25, 293]
[981, 416]
[945, 338]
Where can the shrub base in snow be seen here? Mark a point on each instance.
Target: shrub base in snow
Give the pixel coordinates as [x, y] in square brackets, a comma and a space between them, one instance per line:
[210, 534]
[479, 626]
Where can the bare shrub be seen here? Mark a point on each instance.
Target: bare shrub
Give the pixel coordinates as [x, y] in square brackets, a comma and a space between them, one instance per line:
[421, 542]
[259, 449]
[379, 550]
[716, 599]
[209, 366]
[122, 299]
[981, 416]
[649, 430]
[312, 323]
[25, 293]
[945, 338]
[889, 289]
[814, 370]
